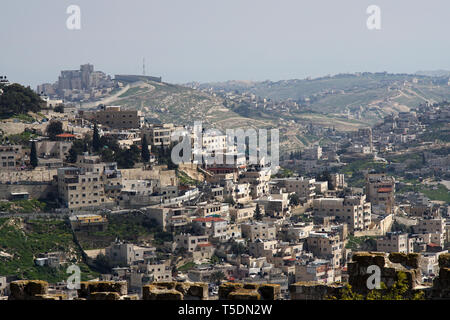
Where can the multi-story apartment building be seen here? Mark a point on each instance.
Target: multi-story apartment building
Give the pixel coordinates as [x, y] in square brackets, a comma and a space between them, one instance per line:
[303, 187]
[258, 230]
[10, 157]
[258, 180]
[243, 212]
[190, 242]
[313, 153]
[380, 190]
[326, 246]
[213, 227]
[260, 248]
[338, 181]
[395, 242]
[86, 185]
[53, 149]
[436, 225]
[320, 270]
[352, 210]
[159, 135]
[114, 117]
[126, 253]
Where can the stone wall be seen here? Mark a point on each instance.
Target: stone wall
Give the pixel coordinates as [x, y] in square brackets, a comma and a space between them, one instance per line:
[441, 284]
[390, 266]
[36, 191]
[175, 291]
[32, 290]
[309, 290]
[104, 290]
[249, 291]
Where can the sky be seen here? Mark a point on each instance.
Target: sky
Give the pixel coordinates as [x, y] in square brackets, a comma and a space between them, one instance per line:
[212, 40]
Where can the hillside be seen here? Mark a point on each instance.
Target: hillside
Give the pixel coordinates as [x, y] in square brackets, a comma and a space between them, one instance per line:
[367, 95]
[22, 240]
[346, 102]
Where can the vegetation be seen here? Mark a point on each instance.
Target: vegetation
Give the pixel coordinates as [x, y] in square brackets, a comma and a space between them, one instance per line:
[284, 173]
[54, 128]
[25, 239]
[399, 291]
[258, 215]
[33, 155]
[361, 243]
[22, 206]
[22, 139]
[217, 277]
[96, 144]
[17, 99]
[59, 108]
[132, 226]
[294, 199]
[185, 180]
[438, 192]
[186, 267]
[145, 154]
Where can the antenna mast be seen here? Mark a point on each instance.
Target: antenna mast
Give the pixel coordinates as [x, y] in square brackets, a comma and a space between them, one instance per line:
[143, 66]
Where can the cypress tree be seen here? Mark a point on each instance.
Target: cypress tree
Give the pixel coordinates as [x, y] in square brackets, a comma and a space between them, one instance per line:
[33, 155]
[96, 144]
[144, 152]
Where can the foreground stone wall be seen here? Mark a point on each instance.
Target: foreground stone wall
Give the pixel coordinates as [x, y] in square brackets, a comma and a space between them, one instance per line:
[308, 290]
[104, 290]
[390, 266]
[249, 291]
[32, 290]
[441, 284]
[117, 290]
[175, 291]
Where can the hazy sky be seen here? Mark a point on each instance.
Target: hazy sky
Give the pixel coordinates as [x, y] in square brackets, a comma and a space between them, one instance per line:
[211, 40]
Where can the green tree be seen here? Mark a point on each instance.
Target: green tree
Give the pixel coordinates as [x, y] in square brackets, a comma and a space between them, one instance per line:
[216, 277]
[258, 215]
[294, 200]
[17, 99]
[325, 176]
[398, 291]
[59, 108]
[145, 154]
[54, 128]
[33, 155]
[96, 144]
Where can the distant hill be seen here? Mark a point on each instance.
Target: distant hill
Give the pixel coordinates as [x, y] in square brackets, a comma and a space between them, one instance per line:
[434, 73]
[372, 95]
[165, 102]
[344, 101]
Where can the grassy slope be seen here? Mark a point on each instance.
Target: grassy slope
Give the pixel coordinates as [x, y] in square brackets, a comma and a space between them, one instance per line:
[24, 240]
